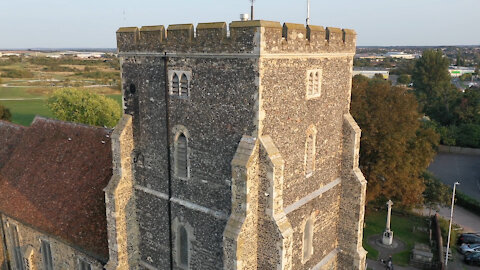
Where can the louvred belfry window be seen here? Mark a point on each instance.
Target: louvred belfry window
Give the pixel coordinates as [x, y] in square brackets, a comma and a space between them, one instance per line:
[175, 85]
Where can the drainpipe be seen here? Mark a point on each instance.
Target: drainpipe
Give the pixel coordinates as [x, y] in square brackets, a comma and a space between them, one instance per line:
[169, 173]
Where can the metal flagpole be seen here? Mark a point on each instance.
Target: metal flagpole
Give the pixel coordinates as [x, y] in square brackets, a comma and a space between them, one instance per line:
[308, 12]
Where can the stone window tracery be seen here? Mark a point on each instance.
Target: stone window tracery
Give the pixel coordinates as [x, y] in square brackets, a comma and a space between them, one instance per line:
[314, 83]
[179, 83]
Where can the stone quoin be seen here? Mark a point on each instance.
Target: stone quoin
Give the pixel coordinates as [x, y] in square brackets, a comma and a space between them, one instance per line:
[237, 149]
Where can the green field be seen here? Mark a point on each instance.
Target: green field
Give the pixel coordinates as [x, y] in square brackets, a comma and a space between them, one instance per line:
[24, 111]
[25, 91]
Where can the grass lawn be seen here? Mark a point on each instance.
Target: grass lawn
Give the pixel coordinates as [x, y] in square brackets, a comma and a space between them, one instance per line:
[18, 92]
[402, 227]
[23, 111]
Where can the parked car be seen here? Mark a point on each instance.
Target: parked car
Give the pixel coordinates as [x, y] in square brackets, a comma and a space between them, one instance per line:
[472, 258]
[468, 238]
[469, 248]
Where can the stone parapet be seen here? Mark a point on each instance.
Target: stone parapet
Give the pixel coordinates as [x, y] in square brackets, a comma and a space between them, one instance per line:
[241, 37]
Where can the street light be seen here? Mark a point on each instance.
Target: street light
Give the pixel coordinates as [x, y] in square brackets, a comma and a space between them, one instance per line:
[450, 227]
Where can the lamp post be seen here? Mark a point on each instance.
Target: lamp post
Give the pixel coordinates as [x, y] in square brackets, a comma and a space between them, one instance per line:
[451, 219]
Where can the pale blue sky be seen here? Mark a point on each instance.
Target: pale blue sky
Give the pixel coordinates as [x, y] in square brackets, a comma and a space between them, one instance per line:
[92, 23]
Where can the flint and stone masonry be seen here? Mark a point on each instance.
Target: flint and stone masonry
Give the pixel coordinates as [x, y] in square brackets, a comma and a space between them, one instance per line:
[243, 152]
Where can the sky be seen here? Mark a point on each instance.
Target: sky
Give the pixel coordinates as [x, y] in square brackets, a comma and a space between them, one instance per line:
[92, 23]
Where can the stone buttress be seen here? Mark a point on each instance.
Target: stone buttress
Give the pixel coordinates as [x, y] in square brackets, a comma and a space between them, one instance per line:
[245, 154]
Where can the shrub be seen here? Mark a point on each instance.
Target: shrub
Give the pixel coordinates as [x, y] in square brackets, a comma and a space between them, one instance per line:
[16, 73]
[74, 105]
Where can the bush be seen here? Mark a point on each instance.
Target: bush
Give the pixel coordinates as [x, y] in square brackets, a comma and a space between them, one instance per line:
[16, 73]
[74, 105]
[404, 79]
[444, 227]
[5, 113]
[468, 203]
[468, 135]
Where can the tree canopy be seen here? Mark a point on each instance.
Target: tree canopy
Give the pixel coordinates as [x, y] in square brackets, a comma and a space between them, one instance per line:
[433, 87]
[78, 106]
[395, 147]
[5, 113]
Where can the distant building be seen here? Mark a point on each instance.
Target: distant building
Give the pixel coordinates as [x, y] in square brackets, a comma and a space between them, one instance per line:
[401, 55]
[52, 204]
[87, 55]
[459, 71]
[370, 72]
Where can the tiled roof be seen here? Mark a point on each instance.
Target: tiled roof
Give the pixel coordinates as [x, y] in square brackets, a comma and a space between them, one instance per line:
[54, 181]
[10, 135]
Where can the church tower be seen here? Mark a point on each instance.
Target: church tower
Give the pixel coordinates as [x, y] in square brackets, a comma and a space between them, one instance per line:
[241, 151]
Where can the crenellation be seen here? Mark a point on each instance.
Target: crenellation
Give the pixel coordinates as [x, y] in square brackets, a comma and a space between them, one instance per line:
[180, 34]
[293, 31]
[152, 37]
[251, 98]
[127, 39]
[244, 38]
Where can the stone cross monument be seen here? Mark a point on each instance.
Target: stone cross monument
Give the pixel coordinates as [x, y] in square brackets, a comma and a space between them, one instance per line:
[388, 234]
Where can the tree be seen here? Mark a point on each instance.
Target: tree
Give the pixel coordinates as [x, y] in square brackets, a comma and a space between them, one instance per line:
[5, 113]
[433, 88]
[74, 105]
[395, 148]
[436, 193]
[404, 79]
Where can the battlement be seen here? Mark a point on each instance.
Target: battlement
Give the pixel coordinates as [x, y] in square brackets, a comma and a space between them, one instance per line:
[240, 37]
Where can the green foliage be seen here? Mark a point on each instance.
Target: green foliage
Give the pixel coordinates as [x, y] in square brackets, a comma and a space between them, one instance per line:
[444, 227]
[16, 73]
[396, 147]
[467, 202]
[84, 107]
[404, 79]
[58, 68]
[433, 88]
[5, 113]
[436, 193]
[99, 75]
[468, 135]
[9, 60]
[467, 110]
[466, 77]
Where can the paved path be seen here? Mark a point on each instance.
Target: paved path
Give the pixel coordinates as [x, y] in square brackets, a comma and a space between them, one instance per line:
[466, 219]
[465, 169]
[11, 99]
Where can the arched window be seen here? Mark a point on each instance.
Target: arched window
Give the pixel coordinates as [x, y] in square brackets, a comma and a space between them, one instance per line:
[183, 246]
[311, 84]
[175, 84]
[184, 86]
[132, 88]
[308, 240]
[316, 84]
[310, 153]
[181, 156]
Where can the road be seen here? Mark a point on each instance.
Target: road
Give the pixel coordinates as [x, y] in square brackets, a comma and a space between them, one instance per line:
[465, 169]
